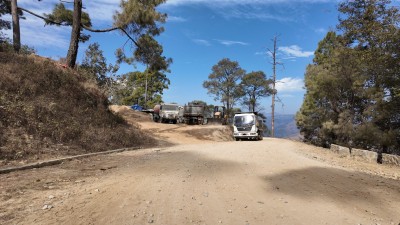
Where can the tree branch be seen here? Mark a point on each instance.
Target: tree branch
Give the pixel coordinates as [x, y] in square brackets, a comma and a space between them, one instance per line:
[41, 17]
[111, 29]
[83, 26]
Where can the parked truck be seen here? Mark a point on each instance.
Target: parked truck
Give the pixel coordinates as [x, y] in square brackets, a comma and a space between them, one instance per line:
[248, 126]
[193, 113]
[166, 113]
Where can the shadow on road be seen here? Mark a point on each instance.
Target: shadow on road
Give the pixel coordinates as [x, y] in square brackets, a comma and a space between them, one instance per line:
[335, 184]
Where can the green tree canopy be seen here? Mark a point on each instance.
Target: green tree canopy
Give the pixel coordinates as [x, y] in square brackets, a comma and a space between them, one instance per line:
[61, 16]
[352, 87]
[223, 82]
[95, 64]
[134, 88]
[255, 85]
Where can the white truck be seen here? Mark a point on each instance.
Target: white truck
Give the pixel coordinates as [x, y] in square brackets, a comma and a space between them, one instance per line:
[165, 113]
[247, 126]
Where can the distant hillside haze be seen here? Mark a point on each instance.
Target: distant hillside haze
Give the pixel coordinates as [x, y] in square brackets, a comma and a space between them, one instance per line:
[285, 127]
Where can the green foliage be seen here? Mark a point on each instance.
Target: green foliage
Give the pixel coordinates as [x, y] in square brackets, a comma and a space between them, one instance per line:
[134, 85]
[145, 88]
[150, 53]
[223, 82]
[140, 17]
[352, 87]
[5, 8]
[95, 64]
[64, 17]
[254, 86]
[6, 46]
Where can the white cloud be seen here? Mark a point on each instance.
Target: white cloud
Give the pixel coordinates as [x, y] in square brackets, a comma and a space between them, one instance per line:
[34, 33]
[176, 19]
[99, 10]
[201, 42]
[289, 84]
[294, 51]
[321, 31]
[249, 12]
[240, 2]
[229, 43]
[278, 10]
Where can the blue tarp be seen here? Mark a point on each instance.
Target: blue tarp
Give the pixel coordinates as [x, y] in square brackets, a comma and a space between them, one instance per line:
[137, 107]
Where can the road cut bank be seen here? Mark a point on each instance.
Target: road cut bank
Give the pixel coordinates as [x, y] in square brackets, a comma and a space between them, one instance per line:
[365, 155]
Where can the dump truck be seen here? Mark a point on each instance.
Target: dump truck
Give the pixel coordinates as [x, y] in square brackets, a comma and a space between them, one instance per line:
[248, 126]
[193, 113]
[166, 113]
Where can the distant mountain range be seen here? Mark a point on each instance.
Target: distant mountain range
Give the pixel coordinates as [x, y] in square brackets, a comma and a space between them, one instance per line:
[285, 127]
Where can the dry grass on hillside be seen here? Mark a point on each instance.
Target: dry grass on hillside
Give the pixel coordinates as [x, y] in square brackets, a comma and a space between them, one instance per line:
[48, 111]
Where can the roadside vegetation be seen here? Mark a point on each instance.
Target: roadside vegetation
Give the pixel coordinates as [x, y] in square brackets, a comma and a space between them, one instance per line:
[47, 111]
[353, 86]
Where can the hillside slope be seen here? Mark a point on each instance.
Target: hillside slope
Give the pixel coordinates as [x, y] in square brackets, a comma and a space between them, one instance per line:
[47, 111]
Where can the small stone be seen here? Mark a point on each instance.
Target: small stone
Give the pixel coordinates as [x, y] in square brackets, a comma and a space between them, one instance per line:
[97, 190]
[200, 203]
[47, 207]
[51, 196]
[151, 221]
[229, 211]
[220, 221]
[205, 194]
[149, 202]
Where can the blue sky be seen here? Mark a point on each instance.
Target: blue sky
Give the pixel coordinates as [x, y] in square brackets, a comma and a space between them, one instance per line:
[199, 33]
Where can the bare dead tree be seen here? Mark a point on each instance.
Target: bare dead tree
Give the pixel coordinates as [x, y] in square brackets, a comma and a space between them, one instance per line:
[274, 63]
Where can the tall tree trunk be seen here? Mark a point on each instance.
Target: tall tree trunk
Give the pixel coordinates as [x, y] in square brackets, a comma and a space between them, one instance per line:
[75, 33]
[15, 23]
[274, 63]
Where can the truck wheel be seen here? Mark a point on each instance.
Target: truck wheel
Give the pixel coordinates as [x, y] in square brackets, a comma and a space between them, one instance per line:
[174, 121]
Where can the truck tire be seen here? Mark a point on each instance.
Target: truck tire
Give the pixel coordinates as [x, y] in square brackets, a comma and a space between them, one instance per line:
[260, 136]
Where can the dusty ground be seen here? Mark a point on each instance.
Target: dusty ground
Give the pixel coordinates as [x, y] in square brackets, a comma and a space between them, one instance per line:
[206, 180]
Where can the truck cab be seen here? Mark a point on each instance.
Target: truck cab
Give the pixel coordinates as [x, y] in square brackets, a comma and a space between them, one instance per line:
[247, 126]
[166, 113]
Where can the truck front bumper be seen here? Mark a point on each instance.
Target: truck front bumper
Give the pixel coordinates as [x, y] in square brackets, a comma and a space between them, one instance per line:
[245, 135]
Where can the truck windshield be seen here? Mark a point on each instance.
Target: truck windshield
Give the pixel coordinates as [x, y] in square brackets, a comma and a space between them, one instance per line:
[170, 107]
[244, 120]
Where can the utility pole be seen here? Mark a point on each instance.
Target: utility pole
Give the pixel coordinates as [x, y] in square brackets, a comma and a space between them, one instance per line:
[145, 90]
[274, 63]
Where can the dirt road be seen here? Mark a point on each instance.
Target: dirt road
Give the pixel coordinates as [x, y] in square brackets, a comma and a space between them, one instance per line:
[272, 181]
